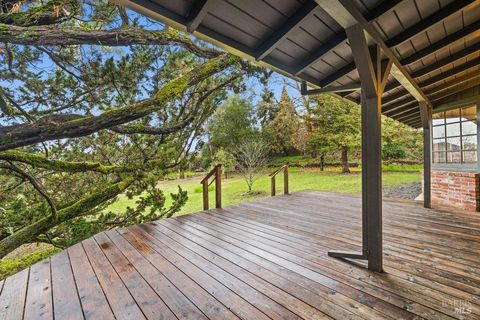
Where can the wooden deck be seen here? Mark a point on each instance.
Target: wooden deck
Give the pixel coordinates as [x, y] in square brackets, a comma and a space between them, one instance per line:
[261, 260]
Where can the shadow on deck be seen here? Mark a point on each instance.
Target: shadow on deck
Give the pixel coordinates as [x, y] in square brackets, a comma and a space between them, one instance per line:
[261, 260]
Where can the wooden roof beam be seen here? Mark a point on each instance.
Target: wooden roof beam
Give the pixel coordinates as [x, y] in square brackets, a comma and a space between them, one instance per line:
[447, 60]
[412, 115]
[413, 123]
[347, 14]
[398, 106]
[458, 88]
[333, 89]
[403, 110]
[473, 28]
[198, 13]
[453, 82]
[340, 37]
[296, 19]
[451, 72]
[430, 21]
[397, 96]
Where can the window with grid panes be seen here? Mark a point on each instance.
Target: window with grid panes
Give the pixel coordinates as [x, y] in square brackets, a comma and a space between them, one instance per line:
[455, 136]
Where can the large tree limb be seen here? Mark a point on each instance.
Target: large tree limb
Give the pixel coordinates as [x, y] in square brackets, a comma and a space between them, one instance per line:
[55, 36]
[31, 232]
[30, 134]
[40, 161]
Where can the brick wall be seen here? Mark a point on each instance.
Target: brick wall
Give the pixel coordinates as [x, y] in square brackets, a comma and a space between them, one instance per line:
[456, 189]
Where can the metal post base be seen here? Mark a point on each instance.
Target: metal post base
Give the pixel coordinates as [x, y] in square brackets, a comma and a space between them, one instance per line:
[347, 255]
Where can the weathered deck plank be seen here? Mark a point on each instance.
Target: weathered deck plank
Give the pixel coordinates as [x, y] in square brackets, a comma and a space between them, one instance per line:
[261, 260]
[38, 304]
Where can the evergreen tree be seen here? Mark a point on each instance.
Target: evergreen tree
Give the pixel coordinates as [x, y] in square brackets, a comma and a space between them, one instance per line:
[280, 130]
[334, 125]
[96, 102]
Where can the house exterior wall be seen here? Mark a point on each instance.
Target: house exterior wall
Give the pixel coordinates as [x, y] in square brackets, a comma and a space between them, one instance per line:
[456, 189]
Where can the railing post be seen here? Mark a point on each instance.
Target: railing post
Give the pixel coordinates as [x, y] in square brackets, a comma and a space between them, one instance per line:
[273, 186]
[285, 180]
[218, 187]
[205, 194]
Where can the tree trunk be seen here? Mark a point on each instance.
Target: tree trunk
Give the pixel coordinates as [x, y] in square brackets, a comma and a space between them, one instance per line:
[322, 162]
[345, 165]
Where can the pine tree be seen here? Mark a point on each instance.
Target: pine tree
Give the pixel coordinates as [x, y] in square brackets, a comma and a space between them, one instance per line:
[283, 126]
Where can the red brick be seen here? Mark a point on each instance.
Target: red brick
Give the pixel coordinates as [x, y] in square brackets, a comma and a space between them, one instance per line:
[458, 189]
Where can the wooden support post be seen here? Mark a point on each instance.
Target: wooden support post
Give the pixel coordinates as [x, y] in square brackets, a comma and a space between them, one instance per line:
[205, 194]
[372, 187]
[218, 187]
[427, 155]
[373, 74]
[273, 186]
[285, 180]
[427, 176]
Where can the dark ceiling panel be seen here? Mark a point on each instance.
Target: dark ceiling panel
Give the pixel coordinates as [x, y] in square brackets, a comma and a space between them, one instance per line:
[180, 7]
[285, 7]
[435, 39]
[214, 22]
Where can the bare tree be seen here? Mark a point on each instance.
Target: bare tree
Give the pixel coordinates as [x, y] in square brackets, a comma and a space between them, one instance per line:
[252, 158]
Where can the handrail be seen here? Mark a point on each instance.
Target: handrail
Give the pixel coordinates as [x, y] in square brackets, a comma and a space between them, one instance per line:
[285, 179]
[217, 173]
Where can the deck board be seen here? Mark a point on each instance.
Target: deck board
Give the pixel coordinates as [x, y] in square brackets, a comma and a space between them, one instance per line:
[261, 260]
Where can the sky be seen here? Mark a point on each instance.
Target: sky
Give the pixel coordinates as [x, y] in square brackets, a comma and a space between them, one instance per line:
[254, 88]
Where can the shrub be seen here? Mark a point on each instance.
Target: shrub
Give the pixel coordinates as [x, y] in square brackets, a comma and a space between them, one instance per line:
[9, 266]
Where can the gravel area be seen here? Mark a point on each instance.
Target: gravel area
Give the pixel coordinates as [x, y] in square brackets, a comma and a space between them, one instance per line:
[403, 191]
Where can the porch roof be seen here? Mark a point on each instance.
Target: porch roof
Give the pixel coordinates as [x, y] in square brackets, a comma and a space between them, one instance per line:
[435, 44]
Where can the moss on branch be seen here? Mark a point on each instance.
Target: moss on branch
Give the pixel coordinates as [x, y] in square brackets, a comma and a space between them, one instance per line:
[53, 36]
[29, 233]
[40, 161]
[175, 89]
[49, 13]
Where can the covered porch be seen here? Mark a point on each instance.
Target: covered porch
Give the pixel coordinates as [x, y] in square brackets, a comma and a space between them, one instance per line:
[260, 260]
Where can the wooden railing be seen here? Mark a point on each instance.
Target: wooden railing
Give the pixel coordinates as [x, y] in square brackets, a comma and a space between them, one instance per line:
[217, 177]
[285, 179]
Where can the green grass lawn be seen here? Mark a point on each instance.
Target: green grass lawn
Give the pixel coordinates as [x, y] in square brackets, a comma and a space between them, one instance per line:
[233, 191]
[234, 188]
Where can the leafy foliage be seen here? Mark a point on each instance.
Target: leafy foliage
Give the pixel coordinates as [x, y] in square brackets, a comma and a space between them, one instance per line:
[282, 126]
[91, 122]
[13, 265]
[334, 124]
[232, 123]
[226, 159]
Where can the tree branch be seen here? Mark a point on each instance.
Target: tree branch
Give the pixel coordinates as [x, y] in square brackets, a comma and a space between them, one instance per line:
[36, 185]
[40, 161]
[52, 12]
[56, 36]
[23, 135]
[31, 232]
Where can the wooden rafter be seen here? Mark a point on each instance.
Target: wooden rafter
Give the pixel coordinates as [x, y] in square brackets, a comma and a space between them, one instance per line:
[289, 26]
[347, 14]
[340, 37]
